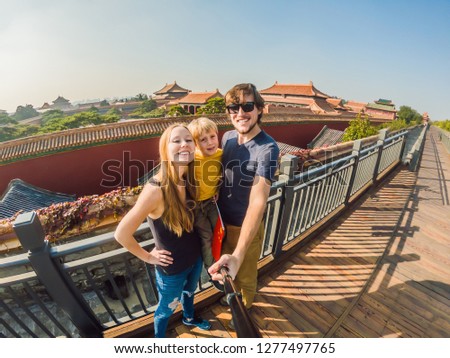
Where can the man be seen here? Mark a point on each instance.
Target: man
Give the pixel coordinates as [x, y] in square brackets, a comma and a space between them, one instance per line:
[249, 162]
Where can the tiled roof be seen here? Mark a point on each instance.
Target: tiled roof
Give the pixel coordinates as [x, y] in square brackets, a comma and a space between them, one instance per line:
[294, 89]
[297, 110]
[326, 137]
[173, 87]
[20, 195]
[317, 105]
[71, 139]
[355, 106]
[199, 97]
[337, 103]
[60, 100]
[386, 102]
[286, 148]
[288, 100]
[381, 107]
[322, 106]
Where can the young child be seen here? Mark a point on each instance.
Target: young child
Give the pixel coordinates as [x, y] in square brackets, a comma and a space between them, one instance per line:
[208, 172]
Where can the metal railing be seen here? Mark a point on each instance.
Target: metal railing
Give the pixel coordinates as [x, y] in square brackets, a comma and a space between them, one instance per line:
[444, 137]
[88, 286]
[415, 154]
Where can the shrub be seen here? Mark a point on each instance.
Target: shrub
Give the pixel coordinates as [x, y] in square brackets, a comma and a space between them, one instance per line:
[359, 128]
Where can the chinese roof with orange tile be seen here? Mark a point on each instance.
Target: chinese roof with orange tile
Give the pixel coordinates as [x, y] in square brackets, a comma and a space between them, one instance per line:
[307, 90]
[171, 88]
[356, 106]
[199, 97]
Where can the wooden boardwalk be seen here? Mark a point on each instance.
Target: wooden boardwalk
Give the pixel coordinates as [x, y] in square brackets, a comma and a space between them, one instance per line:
[381, 270]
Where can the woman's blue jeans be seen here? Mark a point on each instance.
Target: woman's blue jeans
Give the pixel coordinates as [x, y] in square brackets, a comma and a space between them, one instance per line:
[173, 289]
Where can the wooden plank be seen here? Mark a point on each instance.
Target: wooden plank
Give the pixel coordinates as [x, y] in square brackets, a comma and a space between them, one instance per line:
[265, 321]
[223, 315]
[286, 313]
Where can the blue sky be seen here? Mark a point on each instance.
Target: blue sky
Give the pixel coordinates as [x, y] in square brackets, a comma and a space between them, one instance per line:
[356, 50]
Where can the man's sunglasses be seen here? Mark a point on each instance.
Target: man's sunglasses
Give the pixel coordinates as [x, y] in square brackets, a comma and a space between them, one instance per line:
[246, 107]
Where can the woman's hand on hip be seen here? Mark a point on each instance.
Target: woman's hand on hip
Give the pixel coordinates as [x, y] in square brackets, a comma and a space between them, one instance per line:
[160, 257]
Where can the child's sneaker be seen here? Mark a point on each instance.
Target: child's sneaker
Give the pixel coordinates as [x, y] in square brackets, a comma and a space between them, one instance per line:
[197, 322]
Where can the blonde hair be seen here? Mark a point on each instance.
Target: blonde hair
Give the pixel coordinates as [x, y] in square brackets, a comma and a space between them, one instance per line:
[178, 216]
[201, 125]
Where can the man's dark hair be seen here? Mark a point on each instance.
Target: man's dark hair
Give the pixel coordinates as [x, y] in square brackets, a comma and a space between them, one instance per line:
[237, 93]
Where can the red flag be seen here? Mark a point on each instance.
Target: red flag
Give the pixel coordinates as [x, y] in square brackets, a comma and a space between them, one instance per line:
[218, 235]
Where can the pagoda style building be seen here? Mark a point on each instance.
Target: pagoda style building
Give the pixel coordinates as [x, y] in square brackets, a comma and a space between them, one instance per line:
[45, 106]
[194, 100]
[169, 93]
[383, 108]
[61, 103]
[300, 98]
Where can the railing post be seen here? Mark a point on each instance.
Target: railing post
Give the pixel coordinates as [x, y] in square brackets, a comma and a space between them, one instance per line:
[288, 166]
[380, 143]
[402, 151]
[29, 230]
[356, 153]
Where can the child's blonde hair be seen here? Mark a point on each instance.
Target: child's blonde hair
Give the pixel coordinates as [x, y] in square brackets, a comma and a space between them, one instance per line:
[201, 125]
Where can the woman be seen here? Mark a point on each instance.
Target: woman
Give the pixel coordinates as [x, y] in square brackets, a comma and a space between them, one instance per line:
[166, 202]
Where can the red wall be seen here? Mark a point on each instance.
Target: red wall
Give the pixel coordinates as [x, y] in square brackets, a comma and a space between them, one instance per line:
[82, 171]
[100, 169]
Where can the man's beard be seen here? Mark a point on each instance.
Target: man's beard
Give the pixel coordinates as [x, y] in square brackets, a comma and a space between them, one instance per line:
[249, 129]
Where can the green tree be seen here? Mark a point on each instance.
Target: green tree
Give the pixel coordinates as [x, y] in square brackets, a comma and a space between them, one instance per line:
[177, 111]
[26, 130]
[213, 106]
[111, 116]
[5, 119]
[145, 107]
[17, 131]
[51, 114]
[394, 125]
[104, 103]
[445, 125]
[25, 112]
[7, 133]
[409, 115]
[82, 119]
[156, 113]
[359, 128]
[114, 111]
[139, 97]
[148, 105]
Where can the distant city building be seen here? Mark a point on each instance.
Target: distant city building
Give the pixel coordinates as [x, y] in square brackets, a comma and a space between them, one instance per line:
[194, 100]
